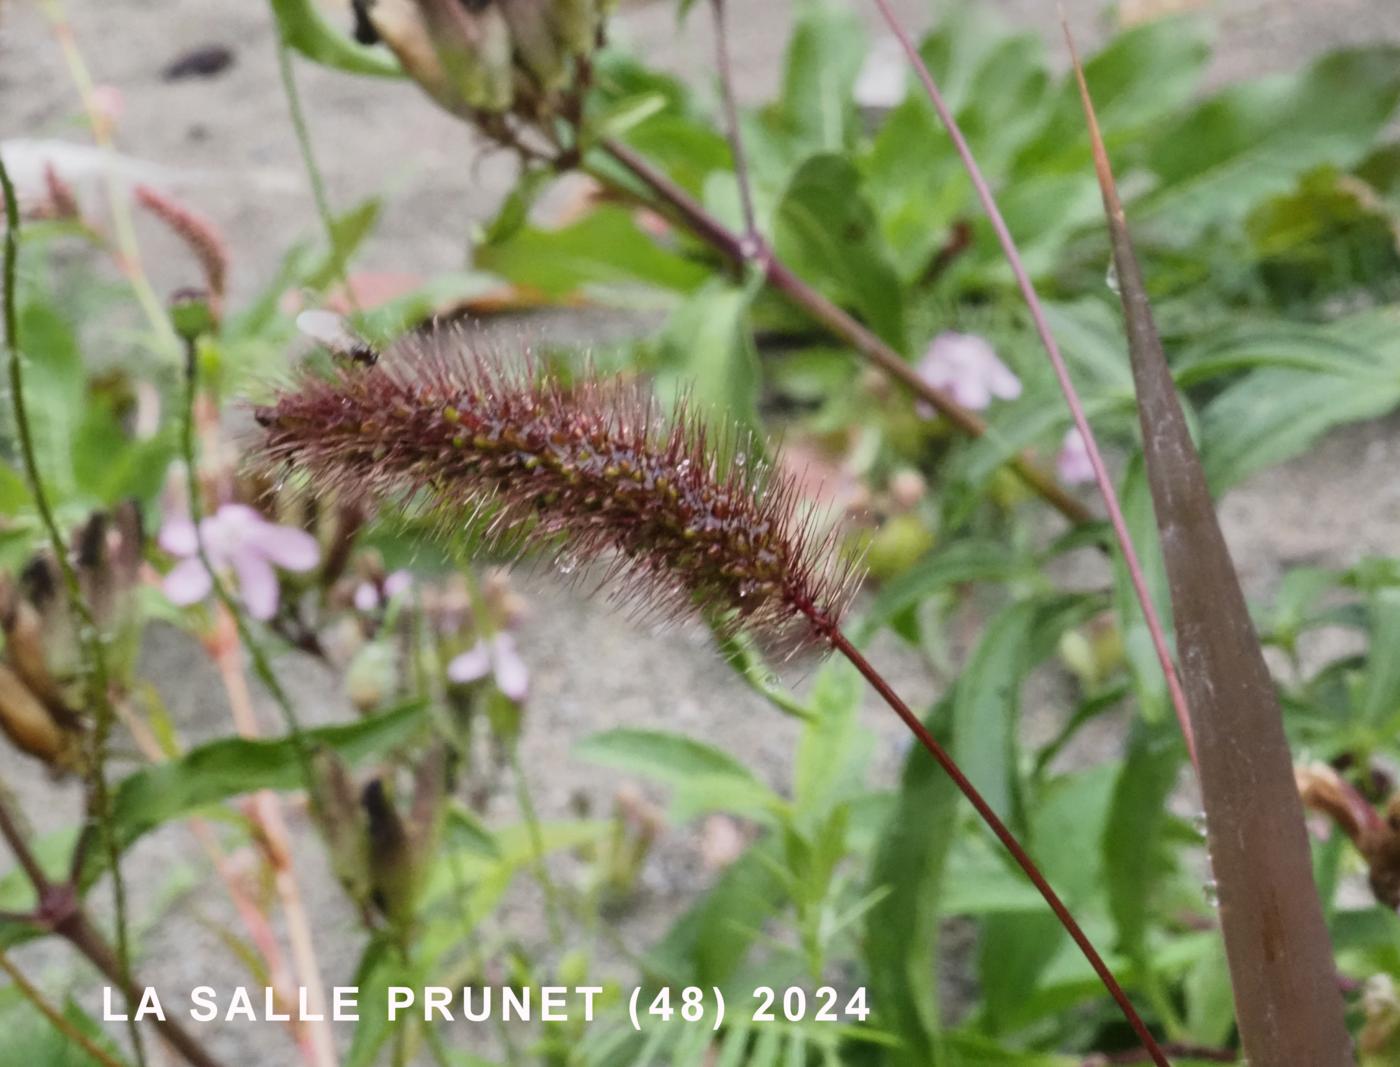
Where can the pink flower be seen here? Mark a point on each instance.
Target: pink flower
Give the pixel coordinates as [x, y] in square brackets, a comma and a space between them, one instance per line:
[107, 105]
[1072, 464]
[965, 367]
[237, 539]
[369, 596]
[497, 657]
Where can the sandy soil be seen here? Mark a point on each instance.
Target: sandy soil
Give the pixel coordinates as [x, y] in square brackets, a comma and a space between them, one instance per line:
[226, 145]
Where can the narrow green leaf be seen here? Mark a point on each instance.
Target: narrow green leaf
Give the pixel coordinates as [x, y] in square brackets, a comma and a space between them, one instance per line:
[605, 250]
[304, 28]
[1257, 139]
[707, 353]
[901, 931]
[826, 231]
[702, 777]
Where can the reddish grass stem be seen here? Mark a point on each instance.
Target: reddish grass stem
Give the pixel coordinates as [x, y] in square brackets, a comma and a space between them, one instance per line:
[1004, 835]
[710, 230]
[1052, 349]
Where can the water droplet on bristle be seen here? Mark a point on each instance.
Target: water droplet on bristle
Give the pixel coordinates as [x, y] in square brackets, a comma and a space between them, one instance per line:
[1110, 279]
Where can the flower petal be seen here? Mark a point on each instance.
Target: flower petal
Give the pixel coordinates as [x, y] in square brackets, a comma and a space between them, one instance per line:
[397, 584]
[187, 583]
[257, 584]
[177, 537]
[366, 597]
[471, 665]
[968, 369]
[289, 548]
[512, 676]
[1073, 464]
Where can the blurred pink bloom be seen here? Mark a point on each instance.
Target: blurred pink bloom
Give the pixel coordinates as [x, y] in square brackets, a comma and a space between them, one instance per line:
[369, 596]
[497, 657]
[107, 106]
[1072, 464]
[965, 367]
[240, 540]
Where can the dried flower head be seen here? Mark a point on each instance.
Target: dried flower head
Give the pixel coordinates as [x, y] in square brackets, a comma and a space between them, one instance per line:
[587, 468]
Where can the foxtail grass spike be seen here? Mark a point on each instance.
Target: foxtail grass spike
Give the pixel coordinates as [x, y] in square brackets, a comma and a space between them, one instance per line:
[587, 468]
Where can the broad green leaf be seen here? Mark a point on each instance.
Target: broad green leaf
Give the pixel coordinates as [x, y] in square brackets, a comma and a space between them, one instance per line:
[1273, 415]
[901, 931]
[987, 700]
[1132, 846]
[1255, 140]
[1149, 686]
[603, 251]
[706, 353]
[304, 28]
[235, 766]
[826, 232]
[218, 771]
[958, 563]
[1380, 691]
[1141, 76]
[30, 1038]
[379, 968]
[995, 84]
[816, 111]
[1014, 949]
[703, 778]
[1302, 380]
[348, 231]
[54, 388]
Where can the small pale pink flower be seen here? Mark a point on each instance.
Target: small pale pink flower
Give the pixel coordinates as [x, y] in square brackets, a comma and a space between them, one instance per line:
[1073, 464]
[108, 104]
[369, 596]
[965, 367]
[238, 540]
[497, 657]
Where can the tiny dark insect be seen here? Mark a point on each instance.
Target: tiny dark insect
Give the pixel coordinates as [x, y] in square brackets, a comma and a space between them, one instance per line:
[365, 33]
[206, 61]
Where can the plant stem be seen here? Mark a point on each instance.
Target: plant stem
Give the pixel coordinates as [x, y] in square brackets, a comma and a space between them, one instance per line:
[96, 682]
[56, 1018]
[322, 1045]
[262, 667]
[82, 935]
[60, 910]
[731, 118]
[532, 827]
[267, 810]
[313, 172]
[1004, 835]
[128, 249]
[1052, 349]
[714, 233]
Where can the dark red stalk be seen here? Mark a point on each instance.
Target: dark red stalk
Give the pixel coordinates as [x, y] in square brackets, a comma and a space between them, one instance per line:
[1282, 972]
[589, 468]
[1005, 836]
[60, 909]
[1057, 362]
[734, 248]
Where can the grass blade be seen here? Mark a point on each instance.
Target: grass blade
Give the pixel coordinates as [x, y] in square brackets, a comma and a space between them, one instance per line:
[1287, 1001]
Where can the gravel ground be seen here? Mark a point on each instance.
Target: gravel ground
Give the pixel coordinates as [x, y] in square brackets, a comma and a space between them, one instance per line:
[227, 146]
